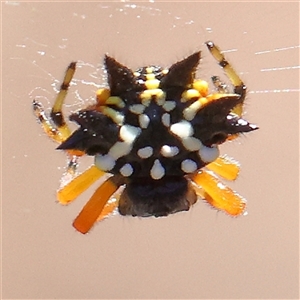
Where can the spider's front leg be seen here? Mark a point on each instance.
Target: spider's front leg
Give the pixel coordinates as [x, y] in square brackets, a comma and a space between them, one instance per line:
[239, 86]
[55, 125]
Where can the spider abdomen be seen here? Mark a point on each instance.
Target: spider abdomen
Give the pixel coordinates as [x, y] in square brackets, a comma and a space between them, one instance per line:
[157, 150]
[147, 197]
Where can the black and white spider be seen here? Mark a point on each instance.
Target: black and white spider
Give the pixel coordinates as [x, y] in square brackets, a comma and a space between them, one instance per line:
[157, 132]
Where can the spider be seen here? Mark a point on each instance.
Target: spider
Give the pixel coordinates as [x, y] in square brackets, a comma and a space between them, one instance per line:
[156, 133]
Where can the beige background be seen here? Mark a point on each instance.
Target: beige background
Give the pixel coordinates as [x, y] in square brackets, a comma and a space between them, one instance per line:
[196, 254]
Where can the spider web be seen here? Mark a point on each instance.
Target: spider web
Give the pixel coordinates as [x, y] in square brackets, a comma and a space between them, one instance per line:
[90, 76]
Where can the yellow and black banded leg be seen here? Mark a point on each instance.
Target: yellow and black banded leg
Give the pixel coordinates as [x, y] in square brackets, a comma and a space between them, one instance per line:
[50, 129]
[239, 86]
[55, 126]
[56, 135]
[56, 112]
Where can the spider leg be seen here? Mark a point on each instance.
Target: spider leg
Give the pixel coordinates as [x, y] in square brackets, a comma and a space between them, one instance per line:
[217, 194]
[47, 124]
[78, 185]
[94, 207]
[221, 86]
[55, 126]
[56, 135]
[56, 113]
[82, 182]
[225, 167]
[239, 86]
[110, 207]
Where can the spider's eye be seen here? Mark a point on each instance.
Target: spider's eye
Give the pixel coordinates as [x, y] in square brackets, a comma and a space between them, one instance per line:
[216, 138]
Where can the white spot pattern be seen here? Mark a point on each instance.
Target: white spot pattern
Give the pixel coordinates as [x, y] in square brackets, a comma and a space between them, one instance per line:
[209, 154]
[188, 166]
[189, 113]
[182, 129]
[166, 119]
[137, 108]
[144, 121]
[126, 170]
[169, 151]
[119, 149]
[129, 133]
[145, 152]
[169, 105]
[191, 143]
[242, 122]
[157, 171]
[104, 162]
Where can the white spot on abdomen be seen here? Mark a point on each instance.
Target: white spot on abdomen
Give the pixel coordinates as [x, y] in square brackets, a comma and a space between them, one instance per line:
[189, 113]
[137, 108]
[169, 151]
[119, 149]
[104, 162]
[129, 133]
[145, 152]
[191, 143]
[157, 171]
[242, 122]
[209, 154]
[188, 166]
[182, 129]
[144, 121]
[166, 119]
[169, 105]
[126, 170]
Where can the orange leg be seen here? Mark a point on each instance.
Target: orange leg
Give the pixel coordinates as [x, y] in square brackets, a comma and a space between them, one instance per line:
[79, 184]
[225, 167]
[94, 207]
[218, 195]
